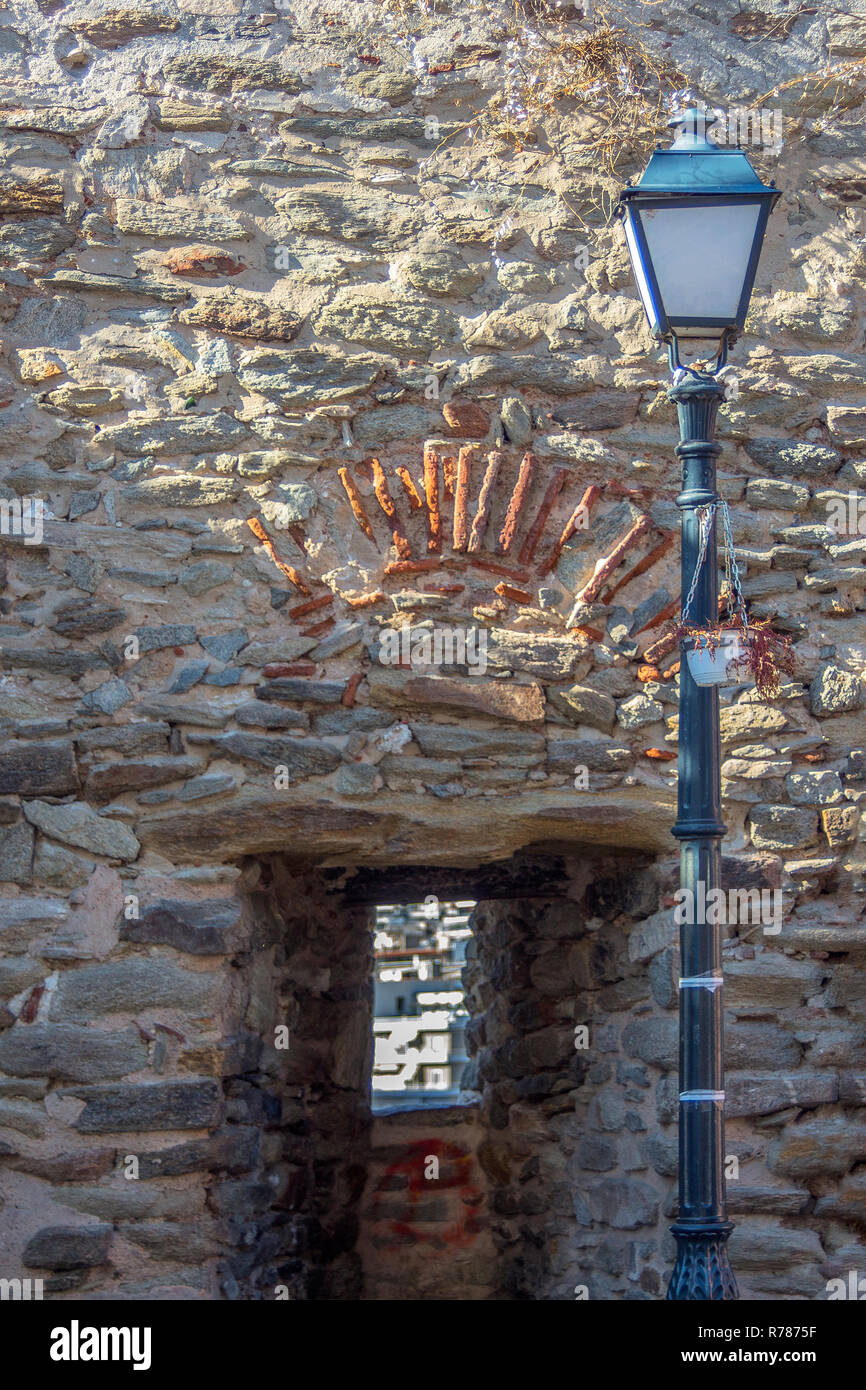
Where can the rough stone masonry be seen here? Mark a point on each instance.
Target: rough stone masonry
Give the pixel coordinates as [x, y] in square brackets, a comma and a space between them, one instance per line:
[298, 347]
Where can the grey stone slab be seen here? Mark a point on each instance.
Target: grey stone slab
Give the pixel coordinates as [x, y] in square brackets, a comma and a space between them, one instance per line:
[187, 677]
[16, 853]
[224, 645]
[133, 985]
[76, 824]
[154, 639]
[70, 1052]
[201, 927]
[107, 698]
[301, 757]
[68, 1247]
[320, 692]
[160, 1105]
[27, 768]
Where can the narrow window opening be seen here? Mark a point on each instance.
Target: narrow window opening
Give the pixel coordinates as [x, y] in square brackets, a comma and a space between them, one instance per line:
[419, 1007]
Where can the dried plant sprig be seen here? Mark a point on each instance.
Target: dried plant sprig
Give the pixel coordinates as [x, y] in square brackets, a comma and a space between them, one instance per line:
[562, 57]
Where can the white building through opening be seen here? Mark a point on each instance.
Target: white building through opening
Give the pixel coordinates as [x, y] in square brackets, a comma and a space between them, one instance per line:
[419, 1012]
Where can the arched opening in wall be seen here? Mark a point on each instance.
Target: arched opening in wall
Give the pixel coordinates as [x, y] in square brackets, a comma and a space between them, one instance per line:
[419, 1003]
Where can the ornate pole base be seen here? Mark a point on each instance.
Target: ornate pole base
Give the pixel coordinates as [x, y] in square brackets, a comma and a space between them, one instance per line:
[702, 1270]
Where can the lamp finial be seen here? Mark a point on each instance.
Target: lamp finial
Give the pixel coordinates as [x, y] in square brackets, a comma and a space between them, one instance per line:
[690, 126]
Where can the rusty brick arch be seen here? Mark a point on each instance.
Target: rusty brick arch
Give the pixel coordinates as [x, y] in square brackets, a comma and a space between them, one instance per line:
[477, 531]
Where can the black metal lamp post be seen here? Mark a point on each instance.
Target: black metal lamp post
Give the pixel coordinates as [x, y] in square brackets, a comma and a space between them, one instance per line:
[694, 225]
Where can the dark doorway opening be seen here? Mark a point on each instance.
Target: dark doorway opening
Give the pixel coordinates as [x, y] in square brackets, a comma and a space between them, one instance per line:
[515, 1187]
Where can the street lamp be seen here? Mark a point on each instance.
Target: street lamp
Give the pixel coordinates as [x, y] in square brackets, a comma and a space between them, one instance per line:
[694, 226]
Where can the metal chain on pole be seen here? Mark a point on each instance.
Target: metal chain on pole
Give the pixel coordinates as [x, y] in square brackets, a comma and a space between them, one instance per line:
[736, 603]
[705, 521]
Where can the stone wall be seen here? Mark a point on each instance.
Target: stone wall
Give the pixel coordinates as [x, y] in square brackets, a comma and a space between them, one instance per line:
[292, 363]
[582, 1131]
[570, 1145]
[299, 1077]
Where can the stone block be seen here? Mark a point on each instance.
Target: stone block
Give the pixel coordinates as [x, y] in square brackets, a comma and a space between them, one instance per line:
[794, 459]
[638, 711]
[763, 1094]
[16, 853]
[653, 935]
[76, 824]
[846, 1203]
[155, 639]
[356, 779]
[839, 824]
[623, 1203]
[301, 758]
[243, 315]
[232, 1150]
[769, 981]
[814, 788]
[202, 927]
[80, 1165]
[24, 917]
[224, 645]
[584, 705]
[56, 867]
[132, 739]
[782, 827]
[33, 769]
[775, 493]
[819, 1148]
[653, 1039]
[158, 1105]
[290, 688]
[765, 1245]
[549, 658]
[386, 322]
[69, 1052]
[750, 721]
[68, 1247]
[308, 376]
[107, 698]
[134, 985]
[595, 754]
[760, 1046]
[507, 700]
[175, 1240]
[834, 691]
